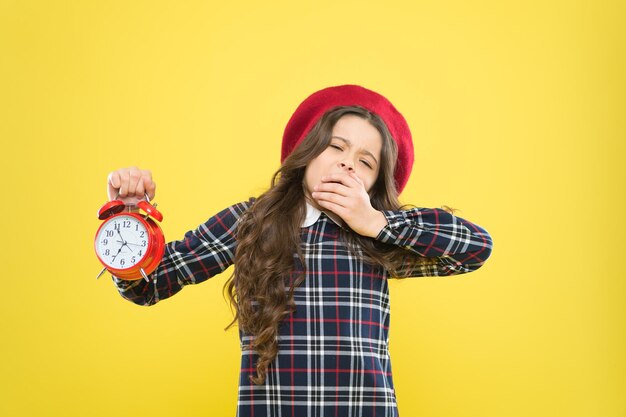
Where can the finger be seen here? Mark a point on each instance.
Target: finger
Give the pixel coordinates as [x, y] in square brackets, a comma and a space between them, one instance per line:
[149, 185]
[124, 180]
[356, 178]
[342, 178]
[332, 187]
[151, 190]
[144, 183]
[331, 198]
[140, 190]
[335, 208]
[113, 185]
[134, 187]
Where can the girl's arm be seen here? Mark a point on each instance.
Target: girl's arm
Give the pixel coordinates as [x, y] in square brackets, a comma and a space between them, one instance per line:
[201, 254]
[457, 245]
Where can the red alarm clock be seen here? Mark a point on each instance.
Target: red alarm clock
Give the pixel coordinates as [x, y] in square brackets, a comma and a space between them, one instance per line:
[129, 245]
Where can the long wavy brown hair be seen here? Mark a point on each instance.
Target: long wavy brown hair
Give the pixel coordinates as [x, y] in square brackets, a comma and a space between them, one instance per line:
[269, 264]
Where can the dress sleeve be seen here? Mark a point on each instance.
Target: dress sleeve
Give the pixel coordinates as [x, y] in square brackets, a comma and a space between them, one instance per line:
[201, 254]
[456, 245]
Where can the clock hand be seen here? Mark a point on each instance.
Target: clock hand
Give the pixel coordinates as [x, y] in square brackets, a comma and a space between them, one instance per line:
[124, 243]
[128, 243]
[118, 252]
[120, 233]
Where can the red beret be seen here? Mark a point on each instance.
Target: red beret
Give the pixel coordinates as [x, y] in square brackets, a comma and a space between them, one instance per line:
[318, 103]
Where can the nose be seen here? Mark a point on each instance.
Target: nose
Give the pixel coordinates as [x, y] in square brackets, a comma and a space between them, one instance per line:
[346, 166]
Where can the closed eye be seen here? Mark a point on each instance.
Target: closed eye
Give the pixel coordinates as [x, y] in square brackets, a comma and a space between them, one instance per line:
[336, 147]
[367, 164]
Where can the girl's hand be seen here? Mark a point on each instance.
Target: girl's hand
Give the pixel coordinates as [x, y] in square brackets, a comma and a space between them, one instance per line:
[344, 194]
[130, 185]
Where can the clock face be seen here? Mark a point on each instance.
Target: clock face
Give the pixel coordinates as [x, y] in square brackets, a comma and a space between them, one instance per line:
[122, 242]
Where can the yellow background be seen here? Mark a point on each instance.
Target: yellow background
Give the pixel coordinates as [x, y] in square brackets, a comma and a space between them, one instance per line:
[517, 111]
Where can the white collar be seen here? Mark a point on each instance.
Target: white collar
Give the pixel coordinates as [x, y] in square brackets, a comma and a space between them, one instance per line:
[313, 214]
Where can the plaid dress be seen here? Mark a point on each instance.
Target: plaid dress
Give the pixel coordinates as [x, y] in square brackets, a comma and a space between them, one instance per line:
[333, 355]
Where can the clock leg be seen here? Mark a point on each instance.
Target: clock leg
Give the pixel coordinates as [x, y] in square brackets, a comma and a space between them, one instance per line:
[143, 273]
[101, 272]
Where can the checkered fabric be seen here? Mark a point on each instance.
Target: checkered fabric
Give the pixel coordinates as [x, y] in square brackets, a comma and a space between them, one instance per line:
[333, 355]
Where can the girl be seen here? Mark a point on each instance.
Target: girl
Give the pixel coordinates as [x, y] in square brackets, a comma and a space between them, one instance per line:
[313, 256]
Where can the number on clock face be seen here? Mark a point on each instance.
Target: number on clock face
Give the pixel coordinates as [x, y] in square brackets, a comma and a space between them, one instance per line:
[122, 242]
